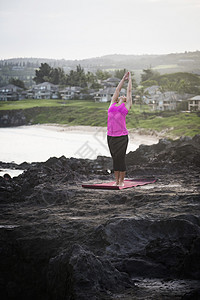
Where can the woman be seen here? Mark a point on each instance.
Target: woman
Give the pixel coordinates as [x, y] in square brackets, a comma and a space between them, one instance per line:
[117, 134]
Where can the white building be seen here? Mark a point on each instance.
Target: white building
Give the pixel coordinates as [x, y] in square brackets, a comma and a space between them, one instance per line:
[160, 101]
[45, 90]
[70, 92]
[110, 82]
[194, 103]
[105, 95]
[11, 92]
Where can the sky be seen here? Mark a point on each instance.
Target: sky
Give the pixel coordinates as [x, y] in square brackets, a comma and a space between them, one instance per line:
[80, 29]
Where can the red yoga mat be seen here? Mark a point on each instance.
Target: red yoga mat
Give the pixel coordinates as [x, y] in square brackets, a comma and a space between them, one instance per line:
[128, 183]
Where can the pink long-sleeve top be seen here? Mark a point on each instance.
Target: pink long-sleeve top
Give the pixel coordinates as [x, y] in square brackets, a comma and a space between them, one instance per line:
[117, 120]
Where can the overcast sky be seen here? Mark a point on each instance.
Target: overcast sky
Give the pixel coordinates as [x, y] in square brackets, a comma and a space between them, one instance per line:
[78, 29]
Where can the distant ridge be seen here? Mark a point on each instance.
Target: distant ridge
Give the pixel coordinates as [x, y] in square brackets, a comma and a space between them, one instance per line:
[112, 57]
[163, 63]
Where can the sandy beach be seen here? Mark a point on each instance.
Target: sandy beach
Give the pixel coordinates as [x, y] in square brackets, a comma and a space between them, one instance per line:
[134, 134]
[37, 143]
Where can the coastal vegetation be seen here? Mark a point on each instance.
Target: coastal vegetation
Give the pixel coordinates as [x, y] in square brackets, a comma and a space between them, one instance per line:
[77, 77]
[89, 113]
[181, 82]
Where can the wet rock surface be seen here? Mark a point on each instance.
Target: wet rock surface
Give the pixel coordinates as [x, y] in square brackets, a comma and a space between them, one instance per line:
[60, 241]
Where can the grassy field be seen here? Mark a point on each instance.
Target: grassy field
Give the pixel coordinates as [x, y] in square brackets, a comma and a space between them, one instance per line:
[81, 112]
[24, 104]
[159, 67]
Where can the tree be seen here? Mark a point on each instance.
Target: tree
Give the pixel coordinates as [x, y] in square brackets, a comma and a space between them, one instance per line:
[120, 73]
[180, 82]
[102, 75]
[77, 78]
[57, 76]
[149, 83]
[62, 76]
[17, 82]
[134, 83]
[148, 74]
[43, 74]
[92, 81]
[54, 76]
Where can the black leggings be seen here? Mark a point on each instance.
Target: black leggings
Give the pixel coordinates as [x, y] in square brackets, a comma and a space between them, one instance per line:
[117, 146]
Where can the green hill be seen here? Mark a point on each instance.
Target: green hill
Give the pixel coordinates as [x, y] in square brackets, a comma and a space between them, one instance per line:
[181, 82]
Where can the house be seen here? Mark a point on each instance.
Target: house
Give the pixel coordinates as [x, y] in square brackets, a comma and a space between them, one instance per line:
[110, 82]
[164, 101]
[105, 95]
[12, 92]
[71, 92]
[45, 90]
[160, 101]
[151, 91]
[169, 101]
[30, 94]
[194, 103]
[109, 87]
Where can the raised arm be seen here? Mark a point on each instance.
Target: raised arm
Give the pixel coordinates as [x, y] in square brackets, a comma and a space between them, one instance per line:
[118, 88]
[129, 92]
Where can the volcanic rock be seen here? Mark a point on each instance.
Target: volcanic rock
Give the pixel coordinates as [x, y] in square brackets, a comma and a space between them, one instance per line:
[60, 241]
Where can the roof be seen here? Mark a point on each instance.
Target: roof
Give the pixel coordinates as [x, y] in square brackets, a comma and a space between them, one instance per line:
[152, 89]
[112, 79]
[110, 90]
[195, 98]
[71, 89]
[10, 87]
[45, 83]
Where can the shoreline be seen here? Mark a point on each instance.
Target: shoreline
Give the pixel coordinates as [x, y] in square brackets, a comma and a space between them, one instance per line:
[37, 143]
[134, 134]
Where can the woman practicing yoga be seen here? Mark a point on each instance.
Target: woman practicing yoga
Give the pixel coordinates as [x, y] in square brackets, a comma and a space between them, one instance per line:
[117, 134]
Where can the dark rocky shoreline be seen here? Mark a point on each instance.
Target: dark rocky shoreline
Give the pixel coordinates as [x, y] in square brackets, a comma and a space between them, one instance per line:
[60, 241]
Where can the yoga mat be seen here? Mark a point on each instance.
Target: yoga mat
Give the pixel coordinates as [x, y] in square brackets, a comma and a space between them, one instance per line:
[128, 183]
